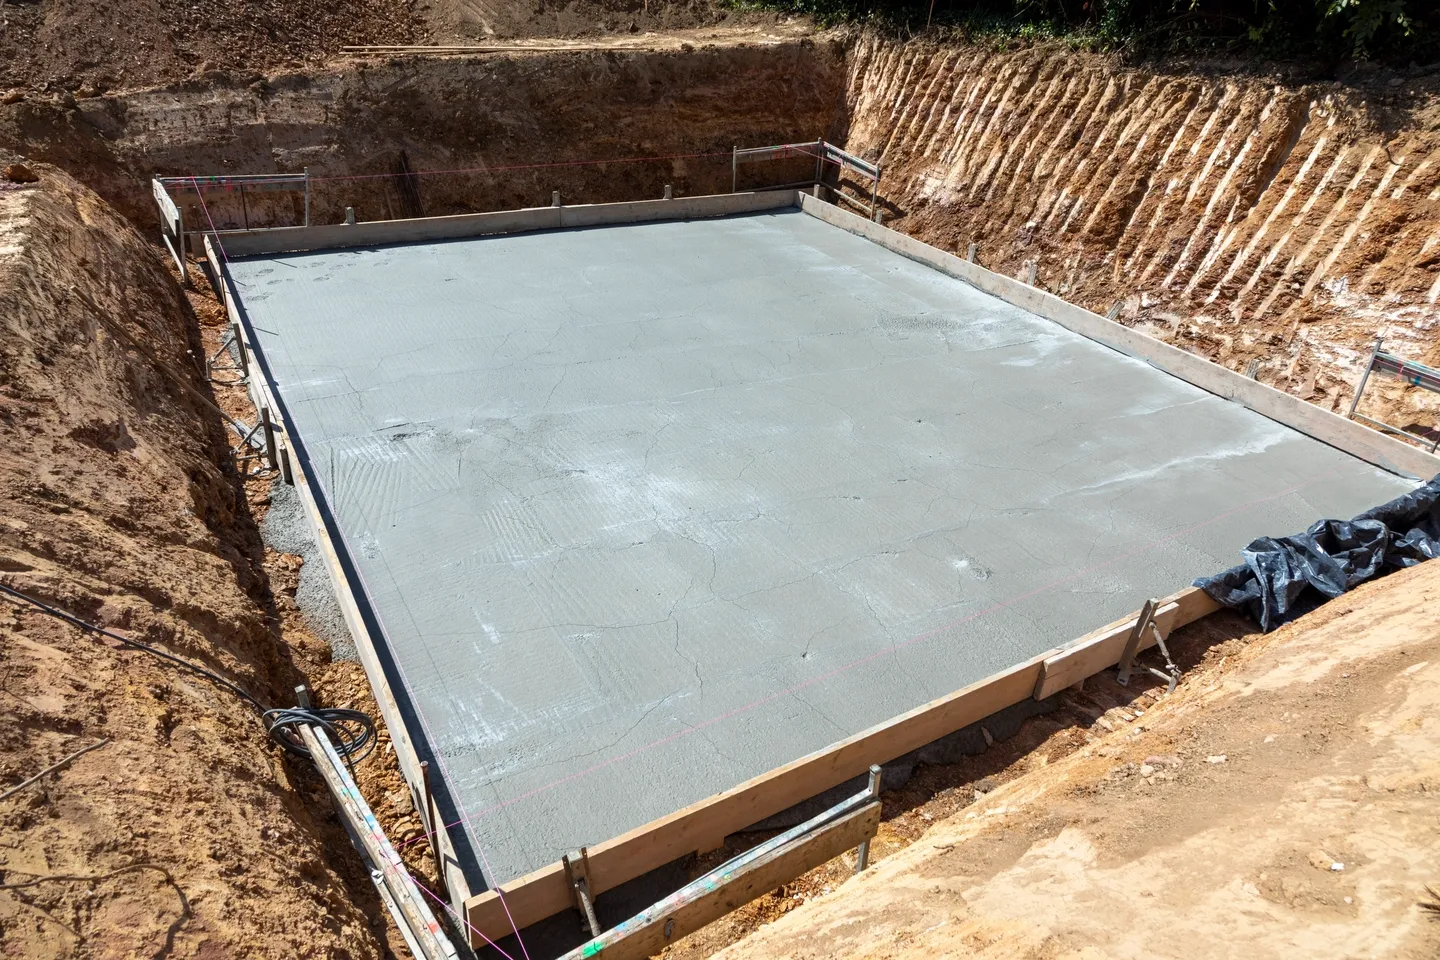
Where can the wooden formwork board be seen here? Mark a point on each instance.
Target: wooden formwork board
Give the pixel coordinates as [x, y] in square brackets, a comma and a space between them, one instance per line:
[702, 826]
[262, 396]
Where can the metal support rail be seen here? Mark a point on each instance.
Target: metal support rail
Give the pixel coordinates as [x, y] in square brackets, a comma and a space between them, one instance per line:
[1415, 374]
[407, 906]
[850, 823]
[823, 153]
[243, 184]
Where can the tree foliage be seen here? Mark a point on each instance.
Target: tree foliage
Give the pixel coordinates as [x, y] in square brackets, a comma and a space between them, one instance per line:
[1397, 31]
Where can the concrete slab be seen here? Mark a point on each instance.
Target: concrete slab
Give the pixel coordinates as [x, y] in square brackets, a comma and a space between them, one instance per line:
[647, 510]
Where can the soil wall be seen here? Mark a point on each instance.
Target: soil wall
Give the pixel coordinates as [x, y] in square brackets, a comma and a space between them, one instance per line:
[1243, 218]
[187, 834]
[370, 120]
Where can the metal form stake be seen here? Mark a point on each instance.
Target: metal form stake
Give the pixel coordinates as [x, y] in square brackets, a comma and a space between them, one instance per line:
[1032, 273]
[240, 348]
[862, 853]
[819, 161]
[350, 216]
[1115, 309]
[285, 473]
[554, 198]
[307, 196]
[577, 871]
[1365, 377]
[269, 429]
[818, 190]
[971, 250]
[669, 194]
[734, 168]
[874, 196]
[1146, 621]
[431, 821]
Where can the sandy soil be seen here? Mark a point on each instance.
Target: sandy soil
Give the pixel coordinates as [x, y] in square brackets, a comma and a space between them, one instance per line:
[116, 506]
[1282, 803]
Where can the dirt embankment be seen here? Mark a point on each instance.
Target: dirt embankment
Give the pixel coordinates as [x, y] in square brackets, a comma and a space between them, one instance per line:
[536, 112]
[79, 48]
[112, 506]
[1241, 218]
[1280, 804]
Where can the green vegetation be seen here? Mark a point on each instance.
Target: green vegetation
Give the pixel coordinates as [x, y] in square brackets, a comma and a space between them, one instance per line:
[1397, 31]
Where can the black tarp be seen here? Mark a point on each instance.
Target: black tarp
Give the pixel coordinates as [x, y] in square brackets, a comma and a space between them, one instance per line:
[1285, 577]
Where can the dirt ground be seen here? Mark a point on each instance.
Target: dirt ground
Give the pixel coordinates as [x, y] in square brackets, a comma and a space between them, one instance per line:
[62, 47]
[1281, 803]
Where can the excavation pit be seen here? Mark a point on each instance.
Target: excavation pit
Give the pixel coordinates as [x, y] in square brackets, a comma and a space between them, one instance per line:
[643, 510]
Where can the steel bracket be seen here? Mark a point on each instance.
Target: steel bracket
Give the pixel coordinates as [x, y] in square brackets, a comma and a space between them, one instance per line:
[577, 873]
[1143, 623]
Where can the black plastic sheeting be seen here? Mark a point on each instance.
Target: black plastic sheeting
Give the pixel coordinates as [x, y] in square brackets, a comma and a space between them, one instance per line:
[1285, 577]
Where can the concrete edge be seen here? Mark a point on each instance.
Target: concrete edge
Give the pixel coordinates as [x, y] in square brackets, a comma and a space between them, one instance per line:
[703, 825]
[262, 394]
[382, 232]
[1346, 435]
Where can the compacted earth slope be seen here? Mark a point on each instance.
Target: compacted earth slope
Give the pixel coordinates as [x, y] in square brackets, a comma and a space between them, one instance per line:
[186, 834]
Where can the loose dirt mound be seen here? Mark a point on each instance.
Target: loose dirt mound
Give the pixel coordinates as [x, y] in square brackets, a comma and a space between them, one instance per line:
[75, 46]
[113, 508]
[1282, 803]
[1241, 217]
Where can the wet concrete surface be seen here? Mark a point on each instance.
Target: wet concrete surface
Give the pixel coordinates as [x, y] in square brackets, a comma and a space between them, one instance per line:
[647, 510]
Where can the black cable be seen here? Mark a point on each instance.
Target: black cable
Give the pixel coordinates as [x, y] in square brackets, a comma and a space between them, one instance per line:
[352, 730]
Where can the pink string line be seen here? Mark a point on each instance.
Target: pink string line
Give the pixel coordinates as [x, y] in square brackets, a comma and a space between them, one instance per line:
[451, 910]
[930, 634]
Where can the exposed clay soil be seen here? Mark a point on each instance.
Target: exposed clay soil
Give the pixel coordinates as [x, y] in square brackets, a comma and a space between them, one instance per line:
[1281, 803]
[119, 505]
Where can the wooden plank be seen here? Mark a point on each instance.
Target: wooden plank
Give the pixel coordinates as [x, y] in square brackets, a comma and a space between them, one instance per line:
[262, 395]
[1337, 431]
[340, 236]
[543, 893]
[824, 845]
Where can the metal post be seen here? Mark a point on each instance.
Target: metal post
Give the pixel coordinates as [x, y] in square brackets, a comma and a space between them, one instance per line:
[269, 429]
[244, 208]
[431, 821]
[734, 168]
[819, 161]
[862, 854]
[1144, 622]
[1360, 387]
[240, 349]
[875, 195]
[285, 472]
[307, 196]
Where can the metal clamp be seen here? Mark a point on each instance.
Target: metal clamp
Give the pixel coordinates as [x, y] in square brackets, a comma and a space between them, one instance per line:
[1146, 621]
[577, 872]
